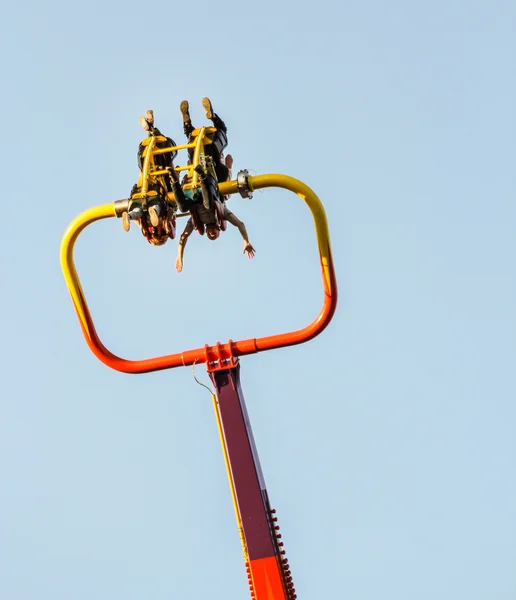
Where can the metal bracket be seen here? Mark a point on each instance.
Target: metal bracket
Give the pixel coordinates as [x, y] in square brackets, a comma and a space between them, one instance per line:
[243, 184]
[121, 206]
[218, 358]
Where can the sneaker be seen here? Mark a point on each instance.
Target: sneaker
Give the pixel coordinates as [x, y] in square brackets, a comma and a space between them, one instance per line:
[149, 117]
[208, 108]
[154, 215]
[126, 224]
[144, 124]
[184, 107]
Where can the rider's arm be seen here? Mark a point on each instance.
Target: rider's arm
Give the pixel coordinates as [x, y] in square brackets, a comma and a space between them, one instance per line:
[189, 227]
[231, 218]
[182, 243]
[248, 248]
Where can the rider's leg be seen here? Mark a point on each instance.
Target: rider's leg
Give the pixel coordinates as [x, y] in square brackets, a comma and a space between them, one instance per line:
[208, 187]
[212, 116]
[179, 194]
[134, 209]
[222, 172]
[136, 213]
[185, 200]
[141, 148]
[133, 213]
[187, 122]
[219, 142]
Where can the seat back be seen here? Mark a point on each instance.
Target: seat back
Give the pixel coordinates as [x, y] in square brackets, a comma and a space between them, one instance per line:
[219, 141]
[162, 161]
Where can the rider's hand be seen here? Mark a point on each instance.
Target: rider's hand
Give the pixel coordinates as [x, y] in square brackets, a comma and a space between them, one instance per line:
[249, 250]
[179, 264]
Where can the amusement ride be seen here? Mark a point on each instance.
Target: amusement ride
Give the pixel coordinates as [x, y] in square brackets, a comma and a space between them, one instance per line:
[155, 197]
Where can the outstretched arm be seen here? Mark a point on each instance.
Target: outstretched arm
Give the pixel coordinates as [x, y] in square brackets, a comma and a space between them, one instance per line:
[182, 243]
[231, 218]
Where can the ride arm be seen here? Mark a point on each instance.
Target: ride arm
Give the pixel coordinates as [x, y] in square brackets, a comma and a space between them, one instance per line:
[189, 227]
[234, 220]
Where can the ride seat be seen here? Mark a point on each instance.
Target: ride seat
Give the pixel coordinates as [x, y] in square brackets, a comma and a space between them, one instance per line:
[162, 161]
[219, 141]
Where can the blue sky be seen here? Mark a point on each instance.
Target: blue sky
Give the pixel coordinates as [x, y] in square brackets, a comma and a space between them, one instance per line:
[388, 442]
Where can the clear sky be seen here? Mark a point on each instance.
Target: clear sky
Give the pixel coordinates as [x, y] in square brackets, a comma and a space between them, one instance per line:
[388, 442]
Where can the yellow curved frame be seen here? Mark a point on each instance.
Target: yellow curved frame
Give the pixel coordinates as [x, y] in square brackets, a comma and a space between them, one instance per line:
[219, 352]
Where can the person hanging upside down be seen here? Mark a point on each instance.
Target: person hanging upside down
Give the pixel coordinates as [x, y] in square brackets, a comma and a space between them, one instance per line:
[222, 165]
[219, 139]
[157, 203]
[209, 220]
[203, 218]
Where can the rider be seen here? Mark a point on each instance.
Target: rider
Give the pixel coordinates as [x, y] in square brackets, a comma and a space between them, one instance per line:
[208, 218]
[222, 168]
[163, 161]
[223, 165]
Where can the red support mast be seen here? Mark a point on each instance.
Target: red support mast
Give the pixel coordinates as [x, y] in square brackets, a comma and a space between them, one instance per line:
[267, 567]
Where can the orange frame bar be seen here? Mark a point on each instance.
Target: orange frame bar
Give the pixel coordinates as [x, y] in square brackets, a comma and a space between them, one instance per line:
[219, 352]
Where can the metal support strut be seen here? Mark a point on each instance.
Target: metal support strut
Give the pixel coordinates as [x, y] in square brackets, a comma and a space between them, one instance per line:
[267, 568]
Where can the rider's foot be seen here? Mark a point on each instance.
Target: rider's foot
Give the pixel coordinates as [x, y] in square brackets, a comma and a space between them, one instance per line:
[144, 124]
[208, 108]
[149, 117]
[229, 161]
[184, 107]
[173, 174]
[126, 224]
[154, 215]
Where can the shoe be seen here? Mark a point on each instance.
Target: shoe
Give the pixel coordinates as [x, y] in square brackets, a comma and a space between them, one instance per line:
[184, 107]
[154, 215]
[206, 102]
[126, 224]
[208, 108]
[149, 117]
[144, 124]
